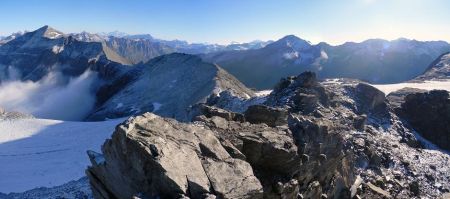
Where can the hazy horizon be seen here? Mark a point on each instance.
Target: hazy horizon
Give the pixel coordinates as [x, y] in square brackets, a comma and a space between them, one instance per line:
[223, 22]
[231, 42]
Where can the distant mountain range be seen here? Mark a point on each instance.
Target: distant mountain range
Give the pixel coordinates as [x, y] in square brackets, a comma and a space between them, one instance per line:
[143, 47]
[260, 64]
[375, 60]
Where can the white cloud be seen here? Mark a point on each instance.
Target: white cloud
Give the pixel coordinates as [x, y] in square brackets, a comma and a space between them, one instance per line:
[52, 97]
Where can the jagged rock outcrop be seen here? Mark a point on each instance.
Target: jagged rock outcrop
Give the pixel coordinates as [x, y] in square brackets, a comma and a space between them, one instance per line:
[169, 160]
[339, 140]
[210, 111]
[429, 114]
[226, 100]
[268, 115]
[397, 98]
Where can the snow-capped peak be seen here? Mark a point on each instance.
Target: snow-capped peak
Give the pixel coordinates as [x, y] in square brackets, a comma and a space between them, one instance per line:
[292, 42]
[295, 42]
[113, 34]
[88, 37]
[49, 32]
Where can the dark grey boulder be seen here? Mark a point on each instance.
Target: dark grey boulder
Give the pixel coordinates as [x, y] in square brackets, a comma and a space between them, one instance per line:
[429, 114]
[263, 114]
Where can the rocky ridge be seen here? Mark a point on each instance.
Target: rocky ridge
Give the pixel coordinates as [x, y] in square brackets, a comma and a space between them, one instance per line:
[438, 69]
[307, 140]
[167, 85]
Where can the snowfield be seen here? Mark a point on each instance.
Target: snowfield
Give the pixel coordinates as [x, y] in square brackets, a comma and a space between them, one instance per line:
[263, 93]
[427, 85]
[46, 153]
[389, 88]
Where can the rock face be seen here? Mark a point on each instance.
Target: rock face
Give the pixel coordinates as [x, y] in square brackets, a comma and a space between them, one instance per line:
[170, 160]
[138, 50]
[167, 85]
[306, 140]
[263, 114]
[397, 98]
[429, 114]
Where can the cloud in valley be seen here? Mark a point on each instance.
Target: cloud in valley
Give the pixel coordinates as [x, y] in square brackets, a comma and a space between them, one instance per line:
[52, 97]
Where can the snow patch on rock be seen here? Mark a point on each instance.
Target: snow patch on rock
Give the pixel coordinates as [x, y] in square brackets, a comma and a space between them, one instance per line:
[57, 49]
[291, 55]
[156, 106]
[119, 105]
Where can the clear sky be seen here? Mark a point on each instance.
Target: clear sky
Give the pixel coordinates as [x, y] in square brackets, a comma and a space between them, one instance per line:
[223, 21]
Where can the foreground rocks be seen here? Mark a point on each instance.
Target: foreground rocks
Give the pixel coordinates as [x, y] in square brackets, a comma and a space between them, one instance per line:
[307, 140]
[429, 114]
[169, 160]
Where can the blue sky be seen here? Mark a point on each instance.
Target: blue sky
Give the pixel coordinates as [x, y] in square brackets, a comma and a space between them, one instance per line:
[223, 21]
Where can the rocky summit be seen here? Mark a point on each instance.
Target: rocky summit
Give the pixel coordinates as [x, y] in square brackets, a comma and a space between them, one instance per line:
[307, 139]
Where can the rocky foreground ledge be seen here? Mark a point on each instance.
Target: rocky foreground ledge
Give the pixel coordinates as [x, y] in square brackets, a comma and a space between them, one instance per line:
[307, 140]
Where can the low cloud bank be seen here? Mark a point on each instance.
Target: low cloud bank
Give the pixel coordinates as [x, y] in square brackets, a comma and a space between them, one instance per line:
[52, 97]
